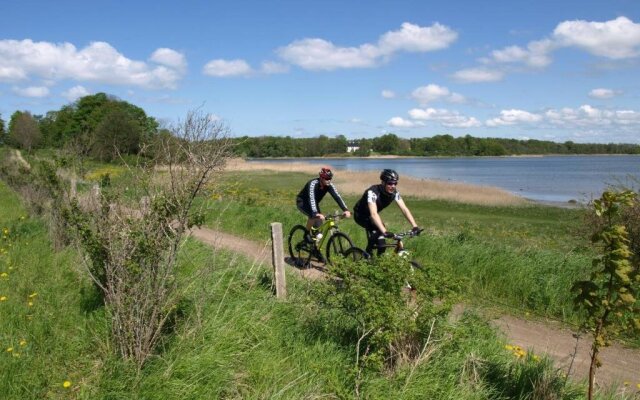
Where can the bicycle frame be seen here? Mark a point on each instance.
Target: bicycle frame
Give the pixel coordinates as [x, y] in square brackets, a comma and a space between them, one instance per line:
[327, 228]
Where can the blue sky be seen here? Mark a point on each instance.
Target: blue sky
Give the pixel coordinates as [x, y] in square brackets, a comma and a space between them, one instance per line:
[549, 70]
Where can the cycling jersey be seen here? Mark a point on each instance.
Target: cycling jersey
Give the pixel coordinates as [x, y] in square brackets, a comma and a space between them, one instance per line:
[308, 200]
[375, 194]
[362, 215]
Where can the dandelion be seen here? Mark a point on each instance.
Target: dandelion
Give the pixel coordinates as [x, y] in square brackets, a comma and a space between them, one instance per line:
[23, 342]
[508, 347]
[66, 384]
[32, 295]
[4, 275]
[9, 349]
[30, 304]
[3, 298]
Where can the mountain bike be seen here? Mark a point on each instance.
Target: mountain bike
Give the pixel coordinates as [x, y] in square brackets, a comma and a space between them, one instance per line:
[304, 247]
[356, 253]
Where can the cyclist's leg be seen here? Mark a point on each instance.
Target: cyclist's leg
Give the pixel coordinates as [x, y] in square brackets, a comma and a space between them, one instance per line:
[310, 221]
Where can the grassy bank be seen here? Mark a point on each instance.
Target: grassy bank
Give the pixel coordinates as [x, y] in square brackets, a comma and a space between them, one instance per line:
[520, 257]
[233, 339]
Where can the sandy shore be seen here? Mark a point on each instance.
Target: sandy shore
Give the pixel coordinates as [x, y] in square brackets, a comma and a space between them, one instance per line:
[351, 182]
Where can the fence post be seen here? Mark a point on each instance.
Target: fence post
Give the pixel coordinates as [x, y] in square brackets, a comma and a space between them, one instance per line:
[277, 259]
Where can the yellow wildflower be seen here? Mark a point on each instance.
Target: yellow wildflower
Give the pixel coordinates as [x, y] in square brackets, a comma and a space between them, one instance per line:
[23, 342]
[508, 347]
[30, 304]
[9, 349]
[3, 298]
[5, 231]
[4, 275]
[32, 295]
[66, 384]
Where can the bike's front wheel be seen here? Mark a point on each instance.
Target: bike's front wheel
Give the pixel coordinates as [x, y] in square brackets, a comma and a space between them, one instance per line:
[300, 249]
[338, 245]
[356, 254]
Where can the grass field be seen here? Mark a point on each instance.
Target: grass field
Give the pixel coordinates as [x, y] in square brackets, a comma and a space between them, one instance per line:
[236, 341]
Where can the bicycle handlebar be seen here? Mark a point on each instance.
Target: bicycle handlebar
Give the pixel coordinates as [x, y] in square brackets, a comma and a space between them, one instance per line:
[412, 233]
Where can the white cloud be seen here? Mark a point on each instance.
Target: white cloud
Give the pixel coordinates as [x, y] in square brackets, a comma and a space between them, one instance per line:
[399, 122]
[169, 58]
[270, 67]
[432, 93]
[32, 91]
[513, 117]
[589, 116]
[75, 93]
[227, 68]
[602, 93]
[320, 54]
[414, 38]
[98, 62]
[446, 118]
[616, 39]
[388, 94]
[478, 75]
[536, 54]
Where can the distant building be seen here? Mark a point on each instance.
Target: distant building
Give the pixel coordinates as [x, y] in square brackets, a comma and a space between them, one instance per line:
[352, 146]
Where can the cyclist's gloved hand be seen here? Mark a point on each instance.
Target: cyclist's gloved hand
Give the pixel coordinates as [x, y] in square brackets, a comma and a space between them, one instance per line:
[416, 230]
[389, 235]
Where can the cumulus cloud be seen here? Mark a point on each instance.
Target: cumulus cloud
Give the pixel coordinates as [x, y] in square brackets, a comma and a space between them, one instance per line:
[536, 54]
[513, 117]
[478, 75]
[97, 62]
[75, 93]
[399, 122]
[602, 93]
[32, 91]
[446, 118]
[320, 54]
[616, 39]
[169, 58]
[227, 68]
[589, 116]
[432, 93]
[388, 94]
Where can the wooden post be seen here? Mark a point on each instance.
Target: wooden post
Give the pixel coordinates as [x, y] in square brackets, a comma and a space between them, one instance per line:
[73, 193]
[277, 259]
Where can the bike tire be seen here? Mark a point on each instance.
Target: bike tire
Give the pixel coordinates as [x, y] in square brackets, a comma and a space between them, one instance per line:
[299, 250]
[356, 254]
[338, 245]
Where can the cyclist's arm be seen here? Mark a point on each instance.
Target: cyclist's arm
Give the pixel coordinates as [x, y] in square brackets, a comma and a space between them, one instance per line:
[312, 200]
[406, 212]
[375, 217]
[336, 196]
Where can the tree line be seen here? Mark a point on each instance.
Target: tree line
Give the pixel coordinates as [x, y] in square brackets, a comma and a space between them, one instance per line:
[102, 126]
[438, 145]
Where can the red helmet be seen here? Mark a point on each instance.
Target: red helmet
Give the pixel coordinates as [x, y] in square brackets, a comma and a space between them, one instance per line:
[326, 173]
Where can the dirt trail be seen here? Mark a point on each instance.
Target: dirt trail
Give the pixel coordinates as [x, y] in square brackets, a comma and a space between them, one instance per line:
[620, 365]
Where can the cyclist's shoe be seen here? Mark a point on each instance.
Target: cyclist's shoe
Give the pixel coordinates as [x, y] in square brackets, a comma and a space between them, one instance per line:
[307, 238]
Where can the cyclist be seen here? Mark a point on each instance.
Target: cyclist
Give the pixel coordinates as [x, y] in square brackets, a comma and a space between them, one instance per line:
[375, 199]
[308, 200]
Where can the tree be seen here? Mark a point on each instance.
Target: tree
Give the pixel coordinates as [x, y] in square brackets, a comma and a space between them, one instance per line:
[609, 296]
[24, 131]
[2, 131]
[387, 144]
[116, 134]
[132, 254]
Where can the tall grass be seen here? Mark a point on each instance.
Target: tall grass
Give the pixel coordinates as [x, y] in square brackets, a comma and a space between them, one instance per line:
[231, 339]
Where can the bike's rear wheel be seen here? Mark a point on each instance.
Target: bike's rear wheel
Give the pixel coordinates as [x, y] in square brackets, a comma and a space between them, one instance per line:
[299, 249]
[338, 245]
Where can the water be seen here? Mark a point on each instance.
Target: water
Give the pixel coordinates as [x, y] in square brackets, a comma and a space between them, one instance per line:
[546, 179]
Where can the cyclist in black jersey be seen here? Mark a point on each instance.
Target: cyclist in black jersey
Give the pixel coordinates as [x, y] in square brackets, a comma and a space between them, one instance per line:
[308, 200]
[375, 199]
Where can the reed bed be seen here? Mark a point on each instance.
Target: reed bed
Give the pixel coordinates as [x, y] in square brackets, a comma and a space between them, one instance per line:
[351, 182]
